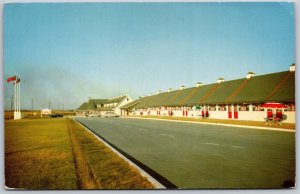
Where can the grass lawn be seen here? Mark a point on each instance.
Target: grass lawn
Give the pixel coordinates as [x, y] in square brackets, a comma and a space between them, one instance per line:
[222, 121]
[60, 154]
[99, 165]
[38, 155]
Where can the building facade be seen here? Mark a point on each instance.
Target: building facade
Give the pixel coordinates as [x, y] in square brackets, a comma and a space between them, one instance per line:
[102, 106]
[240, 99]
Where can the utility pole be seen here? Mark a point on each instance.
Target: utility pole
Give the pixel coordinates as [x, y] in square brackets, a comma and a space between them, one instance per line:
[31, 104]
[58, 107]
[49, 105]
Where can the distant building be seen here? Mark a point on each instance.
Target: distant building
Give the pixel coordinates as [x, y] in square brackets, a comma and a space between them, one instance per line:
[239, 99]
[102, 106]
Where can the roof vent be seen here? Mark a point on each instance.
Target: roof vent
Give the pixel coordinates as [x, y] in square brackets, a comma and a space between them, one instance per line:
[220, 80]
[249, 75]
[170, 89]
[198, 84]
[292, 67]
[182, 87]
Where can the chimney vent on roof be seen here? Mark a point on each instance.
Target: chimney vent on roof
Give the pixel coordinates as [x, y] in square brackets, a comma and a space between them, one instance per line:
[220, 80]
[292, 67]
[198, 84]
[249, 75]
[170, 89]
[182, 87]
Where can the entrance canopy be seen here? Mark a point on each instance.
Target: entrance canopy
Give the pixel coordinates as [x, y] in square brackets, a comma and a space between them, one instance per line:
[273, 105]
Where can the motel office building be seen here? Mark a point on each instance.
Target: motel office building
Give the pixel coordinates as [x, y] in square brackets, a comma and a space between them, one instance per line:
[103, 106]
[239, 99]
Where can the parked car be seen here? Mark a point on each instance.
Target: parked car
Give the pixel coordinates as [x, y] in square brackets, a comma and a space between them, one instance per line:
[93, 115]
[55, 115]
[110, 114]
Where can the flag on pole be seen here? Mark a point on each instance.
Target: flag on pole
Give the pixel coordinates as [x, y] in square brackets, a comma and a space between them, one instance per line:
[17, 81]
[10, 79]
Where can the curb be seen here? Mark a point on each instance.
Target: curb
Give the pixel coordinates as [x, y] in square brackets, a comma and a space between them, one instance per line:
[221, 124]
[153, 181]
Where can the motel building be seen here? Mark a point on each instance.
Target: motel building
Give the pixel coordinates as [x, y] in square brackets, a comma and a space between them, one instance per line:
[103, 106]
[240, 99]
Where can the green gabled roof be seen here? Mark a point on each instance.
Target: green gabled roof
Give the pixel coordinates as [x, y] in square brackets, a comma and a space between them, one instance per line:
[116, 100]
[182, 95]
[199, 94]
[99, 101]
[260, 87]
[131, 104]
[162, 98]
[167, 101]
[86, 106]
[287, 90]
[146, 102]
[223, 92]
[159, 99]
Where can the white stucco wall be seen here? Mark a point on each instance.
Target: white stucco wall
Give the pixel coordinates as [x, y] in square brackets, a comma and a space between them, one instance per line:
[218, 114]
[289, 117]
[122, 103]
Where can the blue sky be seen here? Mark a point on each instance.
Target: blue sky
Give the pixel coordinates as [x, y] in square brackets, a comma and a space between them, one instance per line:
[66, 53]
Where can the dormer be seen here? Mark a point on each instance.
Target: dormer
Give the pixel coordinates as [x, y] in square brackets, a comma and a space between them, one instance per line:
[198, 84]
[292, 67]
[250, 75]
[220, 80]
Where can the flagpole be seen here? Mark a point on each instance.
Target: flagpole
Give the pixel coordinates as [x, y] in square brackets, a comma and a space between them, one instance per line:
[19, 98]
[15, 101]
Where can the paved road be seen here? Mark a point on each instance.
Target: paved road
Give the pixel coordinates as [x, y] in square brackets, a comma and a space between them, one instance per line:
[204, 156]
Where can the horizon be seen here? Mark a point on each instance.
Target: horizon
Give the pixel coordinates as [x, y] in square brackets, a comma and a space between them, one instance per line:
[112, 49]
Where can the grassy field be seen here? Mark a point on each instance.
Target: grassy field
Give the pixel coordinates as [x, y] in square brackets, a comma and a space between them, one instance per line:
[101, 167]
[36, 114]
[38, 155]
[223, 121]
[60, 154]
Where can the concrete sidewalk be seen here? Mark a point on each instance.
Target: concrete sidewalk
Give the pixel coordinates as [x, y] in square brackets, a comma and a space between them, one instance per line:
[288, 127]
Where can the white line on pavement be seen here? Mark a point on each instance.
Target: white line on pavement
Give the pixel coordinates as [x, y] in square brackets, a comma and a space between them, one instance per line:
[241, 147]
[215, 144]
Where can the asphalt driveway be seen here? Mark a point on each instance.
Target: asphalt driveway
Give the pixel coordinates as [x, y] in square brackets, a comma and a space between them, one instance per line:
[203, 156]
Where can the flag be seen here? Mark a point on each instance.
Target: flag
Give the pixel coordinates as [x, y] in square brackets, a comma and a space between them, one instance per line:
[10, 79]
[17, 81]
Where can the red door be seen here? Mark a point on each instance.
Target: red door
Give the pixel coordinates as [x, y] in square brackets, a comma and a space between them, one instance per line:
[229, 112]
[186, 113]
[279, 114]
[236, 113]
[269, 113]
[206, 114]
[202, 114]
[183, 113]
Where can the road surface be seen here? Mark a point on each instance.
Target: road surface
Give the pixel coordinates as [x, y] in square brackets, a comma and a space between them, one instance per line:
[203, 156]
